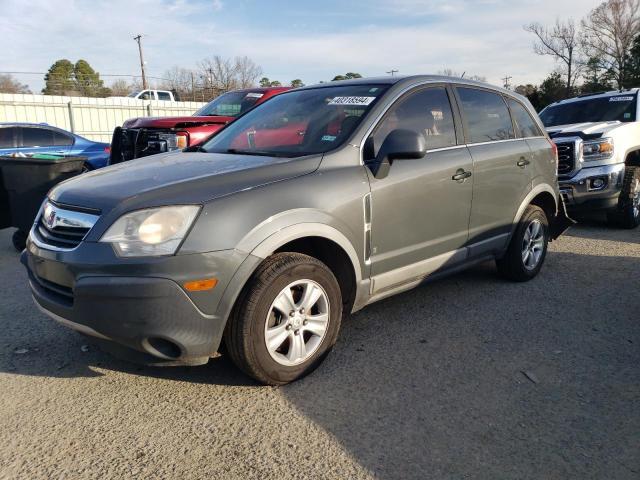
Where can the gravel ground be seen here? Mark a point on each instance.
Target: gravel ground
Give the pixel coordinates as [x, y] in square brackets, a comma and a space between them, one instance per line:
[469, 377]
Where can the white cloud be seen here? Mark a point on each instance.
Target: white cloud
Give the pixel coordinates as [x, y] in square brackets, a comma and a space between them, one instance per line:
[483, 37]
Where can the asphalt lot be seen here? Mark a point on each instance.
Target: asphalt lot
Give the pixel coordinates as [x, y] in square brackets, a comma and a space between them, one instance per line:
[428, 384]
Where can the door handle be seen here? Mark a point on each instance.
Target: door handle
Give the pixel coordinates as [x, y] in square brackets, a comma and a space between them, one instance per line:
[523, 162]
[461, 175]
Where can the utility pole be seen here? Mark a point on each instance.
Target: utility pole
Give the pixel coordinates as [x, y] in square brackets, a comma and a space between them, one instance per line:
[392, 72]
[506, 82]
[144, 77]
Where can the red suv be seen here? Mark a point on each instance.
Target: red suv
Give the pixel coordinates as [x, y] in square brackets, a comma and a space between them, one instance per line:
[140, 137]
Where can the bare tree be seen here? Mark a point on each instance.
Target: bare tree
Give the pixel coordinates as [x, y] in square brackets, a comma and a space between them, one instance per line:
[180, 81]
[247, 71]
[219, 74]
[561, 41]
[8, 84]
[449, 72]
[120, 88]
[609, 32]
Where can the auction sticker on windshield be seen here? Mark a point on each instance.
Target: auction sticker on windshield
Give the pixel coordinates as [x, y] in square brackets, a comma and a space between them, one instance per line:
[352, 100]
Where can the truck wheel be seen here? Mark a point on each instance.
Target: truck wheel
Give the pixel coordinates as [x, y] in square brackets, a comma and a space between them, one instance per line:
[286, 319]
[528, 247]
[627, 215]
[19, 240]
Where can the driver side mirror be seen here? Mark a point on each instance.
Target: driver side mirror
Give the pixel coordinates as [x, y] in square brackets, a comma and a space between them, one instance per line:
[400, 144]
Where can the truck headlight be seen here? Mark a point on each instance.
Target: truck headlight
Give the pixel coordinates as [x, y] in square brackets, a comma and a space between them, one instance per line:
[151, 232]
[600, 149]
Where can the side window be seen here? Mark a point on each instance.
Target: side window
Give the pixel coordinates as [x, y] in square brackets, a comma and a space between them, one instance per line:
[526, 125]
[486, 114]
[61, 139]
[36, 137]
[164, 96]
[146, 95]
[427, 111]
[6, 137]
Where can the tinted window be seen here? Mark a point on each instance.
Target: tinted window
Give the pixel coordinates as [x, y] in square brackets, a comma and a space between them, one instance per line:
[164, 96]
[486, 115]
[604, 109]
[230, 104]
[36, 137]
[427, 111]
[6, 137]
[60, 138]
[299, 122]
[526, 125]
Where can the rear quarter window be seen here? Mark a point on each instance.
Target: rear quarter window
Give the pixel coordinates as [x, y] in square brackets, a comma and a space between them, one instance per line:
[526, 125]
[486, 115]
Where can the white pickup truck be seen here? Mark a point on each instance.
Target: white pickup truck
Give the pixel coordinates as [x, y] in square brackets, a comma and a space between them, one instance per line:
[598, 140]
[165, 95]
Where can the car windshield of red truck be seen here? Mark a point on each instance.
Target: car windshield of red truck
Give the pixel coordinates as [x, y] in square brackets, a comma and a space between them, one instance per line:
[297, 123]
[230, 104]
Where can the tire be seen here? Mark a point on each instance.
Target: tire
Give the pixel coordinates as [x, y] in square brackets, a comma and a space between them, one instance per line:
[260, 314]
[627, 215]
[19, 240]
[516, 265]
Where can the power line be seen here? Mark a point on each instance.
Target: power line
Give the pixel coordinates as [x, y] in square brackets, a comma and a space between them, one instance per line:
[506, 79]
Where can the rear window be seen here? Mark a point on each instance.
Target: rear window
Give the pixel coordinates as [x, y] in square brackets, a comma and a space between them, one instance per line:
[527, 126]
[486, 115]
[6, 137]
[36, 137]
[164, 96]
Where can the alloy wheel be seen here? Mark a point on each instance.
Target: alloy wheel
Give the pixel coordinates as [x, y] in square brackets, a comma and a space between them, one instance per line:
[533, 244]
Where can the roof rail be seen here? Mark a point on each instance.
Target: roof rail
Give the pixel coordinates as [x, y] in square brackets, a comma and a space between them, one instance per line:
[590, 94]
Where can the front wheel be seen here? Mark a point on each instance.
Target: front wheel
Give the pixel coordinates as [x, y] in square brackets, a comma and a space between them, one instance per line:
[286, 320]
[528, 247]
[627, 214]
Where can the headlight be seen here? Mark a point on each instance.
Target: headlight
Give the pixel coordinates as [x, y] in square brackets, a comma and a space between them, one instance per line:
[152, 232]
[597, 149]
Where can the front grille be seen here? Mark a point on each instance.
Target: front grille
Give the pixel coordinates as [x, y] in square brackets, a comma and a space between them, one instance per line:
[566, 158]
[62, 237]
[61, 294]
[62, 227]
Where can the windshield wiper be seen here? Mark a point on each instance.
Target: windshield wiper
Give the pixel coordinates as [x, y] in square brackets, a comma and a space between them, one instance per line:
[262, 153]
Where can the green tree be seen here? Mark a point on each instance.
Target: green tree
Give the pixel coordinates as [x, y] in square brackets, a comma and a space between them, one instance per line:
[552, 89]
[632, 74]
[532, 93]
[347, 76]
[297, 83]
[597, 78]
[88, 81]
[59, 79]
[265, 82]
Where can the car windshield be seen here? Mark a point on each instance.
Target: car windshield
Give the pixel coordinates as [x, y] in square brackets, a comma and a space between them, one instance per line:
[604, 109]
[230, 104]
[300, 122]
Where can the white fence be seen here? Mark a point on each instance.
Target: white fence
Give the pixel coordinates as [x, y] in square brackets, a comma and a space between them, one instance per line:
[93, 118]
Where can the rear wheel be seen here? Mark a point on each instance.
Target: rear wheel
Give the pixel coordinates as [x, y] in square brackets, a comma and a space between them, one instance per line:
[528, 247]
[286, 320]
[627, 215]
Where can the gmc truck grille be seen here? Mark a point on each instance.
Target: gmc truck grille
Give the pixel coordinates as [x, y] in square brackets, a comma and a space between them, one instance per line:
[566, 158]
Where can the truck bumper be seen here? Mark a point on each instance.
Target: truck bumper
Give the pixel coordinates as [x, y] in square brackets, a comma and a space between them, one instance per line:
[141, 308]
[582, 192]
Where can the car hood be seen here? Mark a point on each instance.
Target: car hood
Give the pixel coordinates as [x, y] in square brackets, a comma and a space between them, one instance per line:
[592, 129]
[176, 178]
[175, 122]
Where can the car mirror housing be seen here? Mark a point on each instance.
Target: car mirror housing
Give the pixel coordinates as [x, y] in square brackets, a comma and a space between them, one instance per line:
[400, 144]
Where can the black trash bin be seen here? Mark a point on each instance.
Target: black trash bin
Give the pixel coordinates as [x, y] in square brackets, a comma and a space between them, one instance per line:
[24, 183]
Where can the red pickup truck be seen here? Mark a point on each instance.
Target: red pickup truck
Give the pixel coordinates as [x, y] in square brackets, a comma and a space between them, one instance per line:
[140, 137]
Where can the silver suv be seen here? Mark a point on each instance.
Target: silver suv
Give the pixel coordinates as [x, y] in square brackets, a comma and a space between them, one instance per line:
[319, 201]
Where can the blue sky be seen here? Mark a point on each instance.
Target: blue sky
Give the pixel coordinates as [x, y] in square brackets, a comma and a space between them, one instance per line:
[311, 40]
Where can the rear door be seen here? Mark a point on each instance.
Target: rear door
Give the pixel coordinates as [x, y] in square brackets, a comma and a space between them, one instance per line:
[500, 181]
[43, 140]
[542, 161]
[420, 214]
[7, 140]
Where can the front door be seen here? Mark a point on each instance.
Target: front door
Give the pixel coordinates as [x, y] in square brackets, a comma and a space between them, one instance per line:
[420, 213]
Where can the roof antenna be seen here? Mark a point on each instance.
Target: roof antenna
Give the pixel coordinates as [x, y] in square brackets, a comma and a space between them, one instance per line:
[462, 76]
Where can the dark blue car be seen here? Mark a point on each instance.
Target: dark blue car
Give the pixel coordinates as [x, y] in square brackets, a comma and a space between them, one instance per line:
[43, 138]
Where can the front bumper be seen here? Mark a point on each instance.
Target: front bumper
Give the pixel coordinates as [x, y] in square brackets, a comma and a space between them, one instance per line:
[136, 303]
[579, 193]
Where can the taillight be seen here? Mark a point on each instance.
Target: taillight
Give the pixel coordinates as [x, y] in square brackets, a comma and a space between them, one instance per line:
[107, 149]
[554, 147]
[182, 140]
